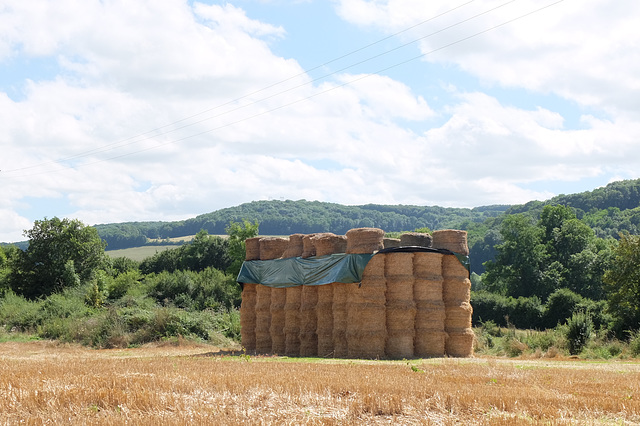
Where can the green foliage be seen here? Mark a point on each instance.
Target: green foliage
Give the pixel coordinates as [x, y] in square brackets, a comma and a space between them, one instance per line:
[579, 332]
[560, 306]
[238, 234]
[623, 284]
[58, 251]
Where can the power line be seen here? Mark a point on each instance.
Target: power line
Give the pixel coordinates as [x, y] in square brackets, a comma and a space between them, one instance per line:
[362, 77]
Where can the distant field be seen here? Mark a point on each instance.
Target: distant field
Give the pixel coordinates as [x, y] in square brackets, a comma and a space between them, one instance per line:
[46, 383]
[139, 253]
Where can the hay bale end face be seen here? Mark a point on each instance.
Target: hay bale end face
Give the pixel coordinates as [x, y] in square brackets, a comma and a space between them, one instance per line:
[408, 304]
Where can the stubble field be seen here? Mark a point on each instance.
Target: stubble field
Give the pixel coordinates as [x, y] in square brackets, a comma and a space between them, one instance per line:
[46, 383]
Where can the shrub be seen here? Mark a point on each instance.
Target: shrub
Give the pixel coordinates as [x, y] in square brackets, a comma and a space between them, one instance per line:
[560, 306]
[579, 331]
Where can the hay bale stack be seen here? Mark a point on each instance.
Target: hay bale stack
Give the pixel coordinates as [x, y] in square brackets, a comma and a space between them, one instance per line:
[248, 305]
[248, 317]
[417, 239]
[400, 305]
[458, 311]
[278, 300]
[291, 330]
[366, 313]
[451, 239]
[263, 319]
[430, 310]
[390, 242]
[308, 321]
[308, 248]
[339, 307]
[326, 244]
[364, 240]
[270, 248]
[427, 265]
[295, 246]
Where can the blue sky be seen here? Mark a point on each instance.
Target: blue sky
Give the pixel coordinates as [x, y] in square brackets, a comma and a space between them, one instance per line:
[174, 108]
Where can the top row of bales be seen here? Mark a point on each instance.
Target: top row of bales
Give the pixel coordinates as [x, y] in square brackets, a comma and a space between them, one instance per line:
[398, 311]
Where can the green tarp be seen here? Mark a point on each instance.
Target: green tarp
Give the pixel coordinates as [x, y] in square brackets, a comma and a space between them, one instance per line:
[339, 267]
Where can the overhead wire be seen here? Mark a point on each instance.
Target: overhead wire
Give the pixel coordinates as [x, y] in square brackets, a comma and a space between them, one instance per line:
[268, 111]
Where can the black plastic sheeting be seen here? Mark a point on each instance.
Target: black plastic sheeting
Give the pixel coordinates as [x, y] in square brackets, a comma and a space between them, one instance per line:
[319, 270]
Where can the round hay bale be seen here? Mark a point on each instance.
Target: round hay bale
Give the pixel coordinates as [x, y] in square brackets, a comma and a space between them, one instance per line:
[324, 321]
[263, 319]
[263, 299]
[457, 317]
[278, 319]
[294, 248]
[399, 344]
[416, 239]
[452, 268]
[252, 248]
[375, 268]
[400, 288]
[272, 247]
[325, 344]
[429, 343]
[460, 343]
[391, 242]
[430, 316]
[248, 317]
[308, 321]
[427, 265]
[367, 345]
[451, 239]
[292, 320]
[308, 343]
[366, 317]
[372, 290]
[364, 240]
[428, 290]
[401, 316]
[328, 243]
[308, 248]
[456, 291]
[398, 264]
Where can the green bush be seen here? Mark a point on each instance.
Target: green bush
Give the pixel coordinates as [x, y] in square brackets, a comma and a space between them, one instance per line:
[560, 306]
[579, 332]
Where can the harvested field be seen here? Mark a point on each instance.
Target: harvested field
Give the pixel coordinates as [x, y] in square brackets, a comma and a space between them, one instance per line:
[44, 383]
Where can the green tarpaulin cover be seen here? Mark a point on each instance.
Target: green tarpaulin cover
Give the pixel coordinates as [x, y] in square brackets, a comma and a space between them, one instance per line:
[319, 270]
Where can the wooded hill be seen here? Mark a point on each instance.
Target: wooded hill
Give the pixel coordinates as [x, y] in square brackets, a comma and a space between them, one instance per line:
[607, 210]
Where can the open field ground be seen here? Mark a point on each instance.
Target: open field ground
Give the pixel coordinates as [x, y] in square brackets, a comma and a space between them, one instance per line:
[45, 383]
[139, 253]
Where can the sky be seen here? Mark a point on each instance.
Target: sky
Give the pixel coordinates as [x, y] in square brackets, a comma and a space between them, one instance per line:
[118, 111]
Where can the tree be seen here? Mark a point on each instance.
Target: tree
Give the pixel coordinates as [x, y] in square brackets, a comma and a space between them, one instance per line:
[622, 282]
[61, 253]
[238, 233]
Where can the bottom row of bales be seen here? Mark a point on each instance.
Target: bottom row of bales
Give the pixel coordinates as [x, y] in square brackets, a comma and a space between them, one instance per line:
[409, 304]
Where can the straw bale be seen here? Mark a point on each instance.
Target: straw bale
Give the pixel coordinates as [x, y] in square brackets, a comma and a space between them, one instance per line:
[248, 317]
[427, 290]
[391, 242]
[272, 247]
[460, 343]
[370, 345]
[398, 264]
[263, 299]
[292, 320]
[457, 317]
[399, 344]
[308, 343]
[400, 288]
[430, 316]
[325, 344]
[452, 268]
[366, 317]
[278, 319]
[308, 248]
[340, 296]
[252, 248]
[294, 248]
[429, 343]
[375, 267]
[327, 243]
[372, 290]
[427, 265]
[364, 240]
[401, 316]
[308, 315]
[456, 291]
[418, 239]
[263, 319]
[451, 239]
[325, 294]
